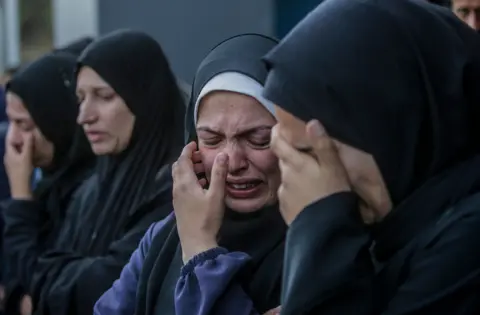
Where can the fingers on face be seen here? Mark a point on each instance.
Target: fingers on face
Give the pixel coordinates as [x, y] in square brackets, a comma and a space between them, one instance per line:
[197, 157]
[199, 168]
[203, 182]
[219, 174]
[28, 144]
[188, 150]
[323, 146]
[283, 150]
[184, 162]
[184, 178]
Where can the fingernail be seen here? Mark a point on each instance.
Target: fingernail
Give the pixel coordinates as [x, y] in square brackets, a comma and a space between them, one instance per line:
[318, 128]
[222, 158]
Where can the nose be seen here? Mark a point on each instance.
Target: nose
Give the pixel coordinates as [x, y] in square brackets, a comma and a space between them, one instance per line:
[86, 113]
[237, 159]
[473, 20]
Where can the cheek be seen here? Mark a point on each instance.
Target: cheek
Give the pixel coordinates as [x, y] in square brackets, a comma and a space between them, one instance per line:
[116, 119]
[39, 141]
[208, 157]
[264, 161]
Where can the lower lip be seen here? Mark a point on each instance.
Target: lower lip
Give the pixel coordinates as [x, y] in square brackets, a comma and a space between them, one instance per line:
[95, 137]
[243, 193]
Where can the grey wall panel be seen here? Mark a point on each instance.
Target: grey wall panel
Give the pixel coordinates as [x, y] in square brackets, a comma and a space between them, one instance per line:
[187, 29]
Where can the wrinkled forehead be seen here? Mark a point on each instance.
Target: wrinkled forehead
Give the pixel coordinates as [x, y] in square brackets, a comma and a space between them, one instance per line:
[231, 113]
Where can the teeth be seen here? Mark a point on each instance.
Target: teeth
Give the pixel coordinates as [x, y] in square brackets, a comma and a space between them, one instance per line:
[242, 186]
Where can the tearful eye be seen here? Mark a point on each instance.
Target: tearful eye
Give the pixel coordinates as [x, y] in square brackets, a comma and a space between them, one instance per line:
[210, 142]
[260, 141]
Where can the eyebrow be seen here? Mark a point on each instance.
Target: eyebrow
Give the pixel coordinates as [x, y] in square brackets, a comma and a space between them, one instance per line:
[93, 87]
[19, 120]
[239, 133]
[16, 117]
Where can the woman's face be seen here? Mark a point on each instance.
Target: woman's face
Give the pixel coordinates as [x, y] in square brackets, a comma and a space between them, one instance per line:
[240, 126]
[362, 170]
[20, 125]
[104, 116]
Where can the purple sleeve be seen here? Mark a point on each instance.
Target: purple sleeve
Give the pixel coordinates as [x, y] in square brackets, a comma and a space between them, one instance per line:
[207, 285]
[120, 298]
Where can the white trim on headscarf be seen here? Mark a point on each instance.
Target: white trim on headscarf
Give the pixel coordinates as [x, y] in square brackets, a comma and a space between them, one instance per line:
[234, 82]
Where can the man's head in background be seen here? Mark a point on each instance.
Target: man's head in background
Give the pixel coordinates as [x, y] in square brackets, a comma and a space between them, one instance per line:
[468, 11]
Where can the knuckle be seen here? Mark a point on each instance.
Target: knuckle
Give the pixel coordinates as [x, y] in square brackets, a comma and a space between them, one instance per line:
[179, 188]
[181, 159]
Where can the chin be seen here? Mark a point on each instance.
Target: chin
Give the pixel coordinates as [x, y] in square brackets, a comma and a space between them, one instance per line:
[100, 148]
[245, 205]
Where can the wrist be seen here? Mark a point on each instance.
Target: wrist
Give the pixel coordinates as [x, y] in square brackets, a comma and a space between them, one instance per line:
[192, 249]
[21, 192]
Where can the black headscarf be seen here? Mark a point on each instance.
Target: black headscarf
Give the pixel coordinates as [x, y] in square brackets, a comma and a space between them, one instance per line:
[134, 65]
[46, 89]
[397, 79]
[260, 234]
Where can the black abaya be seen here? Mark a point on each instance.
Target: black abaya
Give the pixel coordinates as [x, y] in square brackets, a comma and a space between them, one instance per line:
[396, 79]
[32, 224]
[112, 209]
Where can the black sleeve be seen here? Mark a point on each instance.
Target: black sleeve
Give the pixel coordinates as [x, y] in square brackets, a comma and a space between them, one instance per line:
[444, 274]
[22, 243]
[21, 240]
[328, 269]
[69, 283]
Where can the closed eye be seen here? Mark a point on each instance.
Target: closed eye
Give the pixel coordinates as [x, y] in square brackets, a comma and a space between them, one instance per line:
[261, 143]
[210, 142]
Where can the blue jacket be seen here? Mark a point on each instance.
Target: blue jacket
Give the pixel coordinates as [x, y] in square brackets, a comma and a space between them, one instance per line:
[205, 280]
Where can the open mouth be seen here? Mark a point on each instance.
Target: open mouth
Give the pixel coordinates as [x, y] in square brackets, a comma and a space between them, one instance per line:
[244, 186]
[242, 190]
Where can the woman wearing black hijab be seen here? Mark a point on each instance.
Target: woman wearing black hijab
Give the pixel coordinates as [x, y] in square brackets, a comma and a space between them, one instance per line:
[394, 84]
[42, 111]
[131, 111]
[173, 269]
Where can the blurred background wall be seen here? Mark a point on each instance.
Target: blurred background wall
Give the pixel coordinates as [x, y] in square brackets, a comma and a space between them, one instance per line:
[186, 29]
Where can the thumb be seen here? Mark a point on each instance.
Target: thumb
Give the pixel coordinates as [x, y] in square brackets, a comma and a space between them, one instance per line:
[322, 145]
[275, 311]
[27, 150]
[219, 175]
